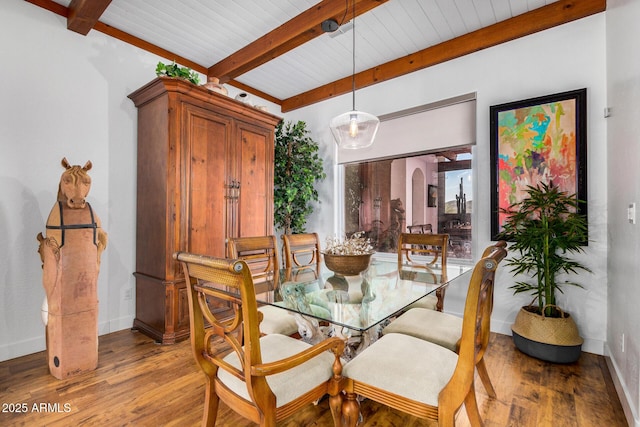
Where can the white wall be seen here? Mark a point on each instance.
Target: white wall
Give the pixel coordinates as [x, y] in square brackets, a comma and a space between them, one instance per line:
[623, 96]
[65, 95]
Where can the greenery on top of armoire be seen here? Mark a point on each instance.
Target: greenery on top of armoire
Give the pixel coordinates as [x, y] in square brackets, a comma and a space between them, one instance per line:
[298, 167]
[174, 70]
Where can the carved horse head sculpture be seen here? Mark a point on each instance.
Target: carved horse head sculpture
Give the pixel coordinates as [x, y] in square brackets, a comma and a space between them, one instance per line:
[70, 255]
[75, 184]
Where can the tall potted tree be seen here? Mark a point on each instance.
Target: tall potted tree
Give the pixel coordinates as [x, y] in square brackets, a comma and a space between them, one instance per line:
[298, 167]
[546, 228]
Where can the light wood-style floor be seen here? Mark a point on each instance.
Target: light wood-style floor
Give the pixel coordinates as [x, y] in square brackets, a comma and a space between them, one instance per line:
[140, 383]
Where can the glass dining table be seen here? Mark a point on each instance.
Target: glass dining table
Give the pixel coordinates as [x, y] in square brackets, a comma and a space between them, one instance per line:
[355, 308]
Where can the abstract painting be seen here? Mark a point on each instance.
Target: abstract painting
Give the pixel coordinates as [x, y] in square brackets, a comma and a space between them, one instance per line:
[537, 140]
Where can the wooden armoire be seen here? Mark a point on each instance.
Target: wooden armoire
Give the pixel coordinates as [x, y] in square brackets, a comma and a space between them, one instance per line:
[205, 173]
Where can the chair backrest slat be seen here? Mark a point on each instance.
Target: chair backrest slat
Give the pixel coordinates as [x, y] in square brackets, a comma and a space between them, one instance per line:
[212, 280]
[301, 251]
[425, 251]
[432, 246]
[260, 253]
[475, 323]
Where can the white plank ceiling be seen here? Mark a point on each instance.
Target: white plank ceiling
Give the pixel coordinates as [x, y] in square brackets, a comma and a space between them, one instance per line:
[208, 31]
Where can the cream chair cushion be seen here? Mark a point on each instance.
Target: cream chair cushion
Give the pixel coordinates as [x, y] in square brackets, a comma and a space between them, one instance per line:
[404, 365]
[289, 384]
[430, 302]
[437, 327]
[277, 321]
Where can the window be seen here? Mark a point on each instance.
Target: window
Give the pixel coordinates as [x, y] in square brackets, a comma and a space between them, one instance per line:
[428, 193]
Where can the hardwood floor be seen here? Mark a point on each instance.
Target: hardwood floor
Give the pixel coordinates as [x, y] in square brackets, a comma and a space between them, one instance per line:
[140, 383]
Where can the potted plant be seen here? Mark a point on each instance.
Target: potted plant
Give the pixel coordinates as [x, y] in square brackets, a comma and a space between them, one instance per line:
[174, 70]
[546, 228]
[298, 168]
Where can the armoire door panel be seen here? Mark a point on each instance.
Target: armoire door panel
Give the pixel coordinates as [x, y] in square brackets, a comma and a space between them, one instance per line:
[255, 163]
[207, 142]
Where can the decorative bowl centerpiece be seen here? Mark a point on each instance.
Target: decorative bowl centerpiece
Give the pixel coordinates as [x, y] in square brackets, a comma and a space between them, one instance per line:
[348, 257]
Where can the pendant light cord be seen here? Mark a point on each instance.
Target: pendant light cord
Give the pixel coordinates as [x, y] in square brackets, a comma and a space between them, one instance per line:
[353, 75]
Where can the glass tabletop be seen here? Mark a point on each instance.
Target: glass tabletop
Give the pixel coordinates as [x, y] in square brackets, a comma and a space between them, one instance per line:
[358, 302]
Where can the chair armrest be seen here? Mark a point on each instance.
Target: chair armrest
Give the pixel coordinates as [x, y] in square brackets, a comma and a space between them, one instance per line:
[334, 344]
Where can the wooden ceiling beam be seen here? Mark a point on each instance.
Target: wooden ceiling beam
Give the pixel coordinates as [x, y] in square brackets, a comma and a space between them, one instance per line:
[58, 9]
[540, 19]
[286, 37]
[84, 14]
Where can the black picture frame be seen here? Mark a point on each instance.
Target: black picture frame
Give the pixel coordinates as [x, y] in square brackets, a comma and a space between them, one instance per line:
[537, 140]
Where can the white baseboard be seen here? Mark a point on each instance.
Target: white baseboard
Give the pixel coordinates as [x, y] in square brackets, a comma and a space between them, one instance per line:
[115, 325]
[22, 348]
[37, 344]
[621, 388]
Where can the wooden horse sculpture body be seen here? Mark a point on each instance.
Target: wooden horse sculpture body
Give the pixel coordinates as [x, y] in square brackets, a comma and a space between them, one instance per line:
[70, 255]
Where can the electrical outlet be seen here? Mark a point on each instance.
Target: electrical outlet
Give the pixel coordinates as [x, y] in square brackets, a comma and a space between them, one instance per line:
[128, 294]
[631, 213]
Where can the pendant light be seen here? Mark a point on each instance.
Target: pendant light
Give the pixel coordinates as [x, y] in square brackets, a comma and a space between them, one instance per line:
[354, 129]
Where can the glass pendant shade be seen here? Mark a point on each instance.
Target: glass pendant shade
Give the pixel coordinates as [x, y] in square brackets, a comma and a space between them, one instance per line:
[354, 129]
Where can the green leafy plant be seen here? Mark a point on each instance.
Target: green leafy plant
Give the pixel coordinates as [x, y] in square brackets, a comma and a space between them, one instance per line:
[545, 227]
[298, 167]
[174, 70]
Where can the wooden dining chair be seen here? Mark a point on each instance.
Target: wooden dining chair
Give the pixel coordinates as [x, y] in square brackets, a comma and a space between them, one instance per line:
[445, 329]
[419, 250]
[302, 251]
[261, 255]
[419, 377]
[263, 378]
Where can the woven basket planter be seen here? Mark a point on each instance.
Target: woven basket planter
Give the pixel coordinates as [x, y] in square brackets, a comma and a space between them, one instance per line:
[347, 265]
[554, 339]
